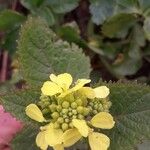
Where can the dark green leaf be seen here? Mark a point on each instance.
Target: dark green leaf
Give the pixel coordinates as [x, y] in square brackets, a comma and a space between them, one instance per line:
[10, 19]
[64, 6]
[16, 102]
[131, 108]
[40, 48]
[147, 27]
[47, 14]
[118, 25]
[31, 4]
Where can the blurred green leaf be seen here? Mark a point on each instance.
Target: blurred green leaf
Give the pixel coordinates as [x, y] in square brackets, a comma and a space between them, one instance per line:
[118, 25]
[47, 14]
[31, 4]
[101, 10]
[10, 19]
[132, 60]
[10, 41]
[70, 34]
[40, 48]
[147, 27]
[64, 6]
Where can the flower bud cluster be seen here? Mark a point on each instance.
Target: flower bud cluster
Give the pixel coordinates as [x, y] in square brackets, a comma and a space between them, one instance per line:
[61, 111]
[99, 105]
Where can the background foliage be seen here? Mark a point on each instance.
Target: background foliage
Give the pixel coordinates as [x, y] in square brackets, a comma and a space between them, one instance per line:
[96, 39]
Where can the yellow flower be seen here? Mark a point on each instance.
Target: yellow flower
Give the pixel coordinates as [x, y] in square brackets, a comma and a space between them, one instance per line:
[60, 85]
[97, 141]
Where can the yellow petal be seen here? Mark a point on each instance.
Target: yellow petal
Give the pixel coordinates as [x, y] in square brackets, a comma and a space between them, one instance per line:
[103, 120]
[63, 80]
[53, 136]
[34, 113]
[58, 147]
[70, 137]
[49, 88]
[101, 92]
[80, 83]
[98, 141]
[81, 126]
[88, 92]
[40, 140]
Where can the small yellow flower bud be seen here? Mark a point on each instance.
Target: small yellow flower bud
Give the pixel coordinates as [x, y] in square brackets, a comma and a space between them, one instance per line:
[79, 102]
[64, 111]
[45, 111]
[80, 116]
[74, 112]
[59, 108]
[65, 104]
[80, 109]
[55, 115]
[66, 120]
[60, 120]
[74, 105]
[86, 111]
[64, 126]
[52, 107]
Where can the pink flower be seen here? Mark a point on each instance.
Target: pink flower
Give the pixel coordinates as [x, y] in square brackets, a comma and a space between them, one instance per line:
[9, 126]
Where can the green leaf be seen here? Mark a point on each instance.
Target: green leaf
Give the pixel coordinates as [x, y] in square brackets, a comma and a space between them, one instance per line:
[70, 34]
[132, 60]
[42, 53]
[10, 43]
[101, 10]
[118, 25]
[147, 27]
[10, 19]
[47, 14]
[64, 6]
[131, 108]
[31, 4]
[26, 139]
[16, 102]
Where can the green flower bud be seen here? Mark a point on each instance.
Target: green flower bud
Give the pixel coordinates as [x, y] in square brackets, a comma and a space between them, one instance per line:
[74, 111]
[52, 107]
[70, 114]
[96, 106]
[46, 103]
[60, 120]
[66, 120]
[100, 107]
[55, 115]
[86, 111]
[74, 105]
[59, 108]
[65, 104]
[95, 112]
[91, 103]
[70, 125]
[64, 126]
[80, 109]
[74, 116]
[80, 116]
[45, 111]
[64, 111]
[65, 116]
[40, 103]
[79, 102]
